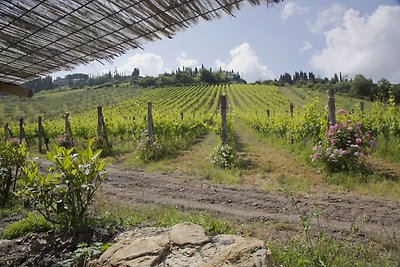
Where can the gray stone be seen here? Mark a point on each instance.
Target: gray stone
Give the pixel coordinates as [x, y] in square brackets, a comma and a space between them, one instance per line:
[188, 234]
[182, 246]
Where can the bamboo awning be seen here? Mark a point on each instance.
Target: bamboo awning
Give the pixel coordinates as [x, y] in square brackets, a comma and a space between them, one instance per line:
[39, 37]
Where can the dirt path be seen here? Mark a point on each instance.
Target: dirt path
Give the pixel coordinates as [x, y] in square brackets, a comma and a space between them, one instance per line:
[250, 203]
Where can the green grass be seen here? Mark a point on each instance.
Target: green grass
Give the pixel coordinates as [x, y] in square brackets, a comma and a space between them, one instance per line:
[117, 214]
[53, 104]
[32, 223]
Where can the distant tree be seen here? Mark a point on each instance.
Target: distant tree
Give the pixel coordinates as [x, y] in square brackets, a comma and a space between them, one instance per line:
[334, 79]
[183, 78]
[362, 86]
[311, 77]
[135, 73]
[395, 91]
[286, 78]
[148, 81]
[40, 84]
[383, 90]
[207, 76]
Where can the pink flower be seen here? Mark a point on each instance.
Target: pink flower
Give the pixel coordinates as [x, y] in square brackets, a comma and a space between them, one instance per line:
[354, 146]
[372, 144]
[358, 141]
[315, 148]
[341, 112]
[358, 125]
[333, 141]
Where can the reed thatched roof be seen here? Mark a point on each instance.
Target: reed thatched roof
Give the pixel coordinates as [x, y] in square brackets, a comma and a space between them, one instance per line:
[39, 37]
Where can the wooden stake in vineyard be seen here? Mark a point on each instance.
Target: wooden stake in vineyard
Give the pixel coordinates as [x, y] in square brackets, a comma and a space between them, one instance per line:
[331, 108]
[6, 132]
[291, 107]
[224, 132]
[149, 122]
[40, 134]
[101, 126]
[100, 121]
[362, 107]
[67, 130]
[22, 134]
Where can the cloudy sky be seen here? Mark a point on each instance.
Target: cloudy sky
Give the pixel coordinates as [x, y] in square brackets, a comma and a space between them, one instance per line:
[325, 37]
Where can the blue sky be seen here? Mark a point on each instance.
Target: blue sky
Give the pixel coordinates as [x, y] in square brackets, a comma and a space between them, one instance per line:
[263, 42]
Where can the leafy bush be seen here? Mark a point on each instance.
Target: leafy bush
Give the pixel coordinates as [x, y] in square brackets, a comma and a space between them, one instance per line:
[223, 156]
[12, 158]
[83, 253]
[30, 224]
[64, 194]
[345, 147]
[148, 150]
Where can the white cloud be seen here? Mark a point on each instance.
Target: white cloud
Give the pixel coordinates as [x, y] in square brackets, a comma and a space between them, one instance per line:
[244, 60]
[149, 64]
[184, 61]
[328, 18]
[306, 46]
[291, 9]
[368, 45]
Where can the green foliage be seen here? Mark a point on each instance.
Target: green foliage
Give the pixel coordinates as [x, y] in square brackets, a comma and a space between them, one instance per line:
[317, 248]
[32, 223]
[116, 214]
[64, 194]
[12, 159]
[150, 151]
[83, 253]
[223, 156]
[362, 86]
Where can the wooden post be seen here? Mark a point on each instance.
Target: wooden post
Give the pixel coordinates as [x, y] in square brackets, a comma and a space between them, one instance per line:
[40, 134]
[291, 106]
[224, 132]
[149, 121]
[362, 106]
[21, 130]
[268, 113]
[99, 121]
[66, 130]
[6, 132]
[331, 107]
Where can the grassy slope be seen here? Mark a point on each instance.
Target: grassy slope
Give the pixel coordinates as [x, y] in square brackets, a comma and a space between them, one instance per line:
[53, 104]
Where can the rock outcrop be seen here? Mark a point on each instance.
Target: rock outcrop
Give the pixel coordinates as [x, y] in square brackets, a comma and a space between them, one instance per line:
[184, 245]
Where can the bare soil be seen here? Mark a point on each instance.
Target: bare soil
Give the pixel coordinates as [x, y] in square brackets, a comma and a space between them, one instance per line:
[249, 203]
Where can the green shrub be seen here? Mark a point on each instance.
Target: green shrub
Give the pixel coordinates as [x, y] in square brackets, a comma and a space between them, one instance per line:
[64, 194]
[30, 224]
[12, 158]
[223, 156]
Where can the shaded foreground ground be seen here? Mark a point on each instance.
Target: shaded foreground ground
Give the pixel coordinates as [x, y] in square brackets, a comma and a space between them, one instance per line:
[251, 204]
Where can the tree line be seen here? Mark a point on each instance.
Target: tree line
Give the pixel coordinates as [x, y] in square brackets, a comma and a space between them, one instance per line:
[359, 86]
[184, 76]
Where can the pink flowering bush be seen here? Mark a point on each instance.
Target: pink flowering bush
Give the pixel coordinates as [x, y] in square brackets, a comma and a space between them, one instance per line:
[345, 148]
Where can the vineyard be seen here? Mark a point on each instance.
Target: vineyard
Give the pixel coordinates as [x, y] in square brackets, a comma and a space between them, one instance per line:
[183, 114]
[280, 165]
